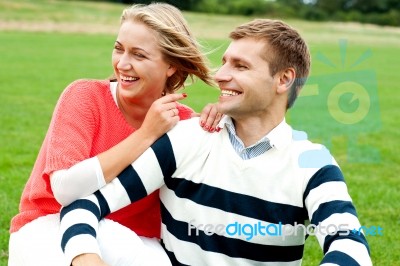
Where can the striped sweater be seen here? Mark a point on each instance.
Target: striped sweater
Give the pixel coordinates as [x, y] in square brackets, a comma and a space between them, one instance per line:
[218, 209]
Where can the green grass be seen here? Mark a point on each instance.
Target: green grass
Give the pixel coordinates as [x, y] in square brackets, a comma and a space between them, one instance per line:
[36, 66]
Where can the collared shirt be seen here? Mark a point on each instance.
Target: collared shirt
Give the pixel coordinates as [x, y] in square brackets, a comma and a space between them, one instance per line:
[260, 147]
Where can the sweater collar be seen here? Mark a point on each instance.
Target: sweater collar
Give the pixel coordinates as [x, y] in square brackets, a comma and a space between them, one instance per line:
[279, 137]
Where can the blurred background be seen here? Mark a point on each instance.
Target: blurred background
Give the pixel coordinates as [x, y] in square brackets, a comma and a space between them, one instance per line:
[350, 102]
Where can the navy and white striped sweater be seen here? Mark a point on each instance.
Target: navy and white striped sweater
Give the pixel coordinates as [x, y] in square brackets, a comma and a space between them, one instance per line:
[218, 209]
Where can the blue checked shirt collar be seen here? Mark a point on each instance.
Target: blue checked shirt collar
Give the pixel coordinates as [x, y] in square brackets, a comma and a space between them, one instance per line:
[277, 138]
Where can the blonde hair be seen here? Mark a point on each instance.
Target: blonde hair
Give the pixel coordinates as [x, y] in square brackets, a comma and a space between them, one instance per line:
[284, 48]
[177, 43]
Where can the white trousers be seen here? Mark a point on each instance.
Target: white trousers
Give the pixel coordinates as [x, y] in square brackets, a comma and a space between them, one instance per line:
[38, 243]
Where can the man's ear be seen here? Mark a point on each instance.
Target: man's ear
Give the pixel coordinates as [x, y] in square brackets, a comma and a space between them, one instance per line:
[286, 80]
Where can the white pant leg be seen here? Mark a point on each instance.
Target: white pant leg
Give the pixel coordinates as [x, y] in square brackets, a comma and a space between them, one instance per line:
[120, 246]
[38, 243]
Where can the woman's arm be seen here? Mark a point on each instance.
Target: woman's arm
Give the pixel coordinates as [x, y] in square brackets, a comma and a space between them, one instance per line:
[91, 174]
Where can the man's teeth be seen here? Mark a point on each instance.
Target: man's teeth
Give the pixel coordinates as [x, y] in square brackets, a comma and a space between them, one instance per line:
[229, 93]
[128, 78]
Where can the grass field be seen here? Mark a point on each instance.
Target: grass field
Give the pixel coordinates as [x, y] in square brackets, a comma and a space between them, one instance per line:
[47, 44]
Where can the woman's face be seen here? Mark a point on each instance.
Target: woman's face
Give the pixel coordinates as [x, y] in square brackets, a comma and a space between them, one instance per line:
[139, 65]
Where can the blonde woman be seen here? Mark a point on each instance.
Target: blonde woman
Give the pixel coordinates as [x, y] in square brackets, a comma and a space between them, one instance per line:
[99, 127]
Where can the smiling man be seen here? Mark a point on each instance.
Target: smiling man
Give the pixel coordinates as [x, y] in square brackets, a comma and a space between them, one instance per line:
[256, 171]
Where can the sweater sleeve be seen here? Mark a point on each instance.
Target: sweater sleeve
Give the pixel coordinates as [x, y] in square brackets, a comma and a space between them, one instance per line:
[73, 125]
[331, 210]
[79, 220]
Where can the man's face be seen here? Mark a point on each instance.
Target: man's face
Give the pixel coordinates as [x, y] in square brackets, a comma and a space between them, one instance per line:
[247, 87]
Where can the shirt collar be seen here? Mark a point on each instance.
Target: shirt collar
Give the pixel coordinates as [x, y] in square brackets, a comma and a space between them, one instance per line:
[279, 137]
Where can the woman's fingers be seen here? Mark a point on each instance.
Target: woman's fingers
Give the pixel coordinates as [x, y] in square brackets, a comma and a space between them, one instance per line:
[210, 117]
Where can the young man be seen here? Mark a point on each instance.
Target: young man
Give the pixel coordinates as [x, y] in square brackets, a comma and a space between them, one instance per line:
[248, 195]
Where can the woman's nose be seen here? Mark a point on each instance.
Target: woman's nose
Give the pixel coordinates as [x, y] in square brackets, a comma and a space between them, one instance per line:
[123, 62]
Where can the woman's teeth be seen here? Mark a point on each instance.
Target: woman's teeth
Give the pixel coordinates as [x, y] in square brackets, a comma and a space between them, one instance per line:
[124, 78]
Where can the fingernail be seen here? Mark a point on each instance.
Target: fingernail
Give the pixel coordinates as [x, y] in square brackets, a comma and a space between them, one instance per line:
[207, 127]
[202, 123]
[218, 129]
[211, 130]
[184, 94]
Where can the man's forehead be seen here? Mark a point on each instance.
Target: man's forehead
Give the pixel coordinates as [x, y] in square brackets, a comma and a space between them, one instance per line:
[245, 49]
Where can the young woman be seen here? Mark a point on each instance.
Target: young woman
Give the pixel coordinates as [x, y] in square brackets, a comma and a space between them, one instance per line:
[99, 127]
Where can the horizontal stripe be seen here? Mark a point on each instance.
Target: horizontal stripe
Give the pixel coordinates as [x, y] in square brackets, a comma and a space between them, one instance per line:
[165, 155]
[327, 209]
[171, 256]
[115, 195]
[76, 229]
[147, 168]
[132, 183]
[77, 216]
[327, 173]
[356, 250]
[339, 258]
[81, 204]
[199, 216]
[324, 193]
[237, 203]
[104, 208]
[80, 244]
[230, 246]
[360, 238]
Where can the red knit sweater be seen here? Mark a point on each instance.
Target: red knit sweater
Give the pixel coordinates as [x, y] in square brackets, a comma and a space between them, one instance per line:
[85, 122]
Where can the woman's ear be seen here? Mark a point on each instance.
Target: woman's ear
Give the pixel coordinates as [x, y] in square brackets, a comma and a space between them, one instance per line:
[171, 70]
[286, 80]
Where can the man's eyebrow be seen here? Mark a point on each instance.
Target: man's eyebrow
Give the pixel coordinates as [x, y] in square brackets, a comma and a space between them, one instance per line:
[240, 60]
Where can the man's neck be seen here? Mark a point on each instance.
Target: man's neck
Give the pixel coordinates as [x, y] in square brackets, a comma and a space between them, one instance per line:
[251, 130]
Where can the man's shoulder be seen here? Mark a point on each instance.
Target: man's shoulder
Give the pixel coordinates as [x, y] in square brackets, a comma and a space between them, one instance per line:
[309, 154]
[190, 133]
[188, 129]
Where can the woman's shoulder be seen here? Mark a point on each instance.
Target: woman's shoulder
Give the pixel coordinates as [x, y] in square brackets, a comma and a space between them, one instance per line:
[85, 92]
[88, 85]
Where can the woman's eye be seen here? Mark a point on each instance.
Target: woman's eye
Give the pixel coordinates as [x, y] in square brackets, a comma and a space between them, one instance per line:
[139, 55]
[118, 48]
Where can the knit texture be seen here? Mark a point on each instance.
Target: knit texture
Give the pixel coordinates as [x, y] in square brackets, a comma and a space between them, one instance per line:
[86, 121]
[218, 209]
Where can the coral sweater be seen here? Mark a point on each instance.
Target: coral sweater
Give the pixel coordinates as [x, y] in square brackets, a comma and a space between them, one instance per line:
[86, 121]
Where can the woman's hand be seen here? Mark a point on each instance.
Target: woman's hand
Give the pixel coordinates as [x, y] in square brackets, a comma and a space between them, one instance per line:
[162, 115]
[210, 117]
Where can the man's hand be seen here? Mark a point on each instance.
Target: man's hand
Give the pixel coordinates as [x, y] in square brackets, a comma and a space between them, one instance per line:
[89, 259]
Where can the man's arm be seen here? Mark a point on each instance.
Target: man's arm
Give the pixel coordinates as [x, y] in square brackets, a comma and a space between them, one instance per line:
[79, 220]
[330, 208]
